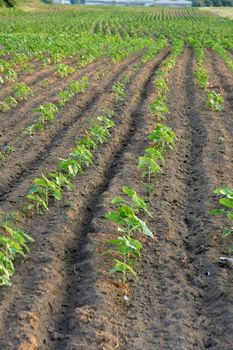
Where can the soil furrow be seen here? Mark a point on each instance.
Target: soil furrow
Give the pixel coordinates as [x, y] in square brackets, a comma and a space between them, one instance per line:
[174, 310]
[34, 159]
[50, 260]
[24, 115]
[77, 283]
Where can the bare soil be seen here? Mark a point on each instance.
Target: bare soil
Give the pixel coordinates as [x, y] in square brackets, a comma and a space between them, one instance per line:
[62, 296]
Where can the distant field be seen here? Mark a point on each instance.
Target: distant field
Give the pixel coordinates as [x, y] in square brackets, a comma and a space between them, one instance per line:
[116, 127]
[220, 11]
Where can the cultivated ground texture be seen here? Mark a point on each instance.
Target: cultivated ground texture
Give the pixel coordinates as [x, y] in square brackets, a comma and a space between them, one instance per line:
[62, 296]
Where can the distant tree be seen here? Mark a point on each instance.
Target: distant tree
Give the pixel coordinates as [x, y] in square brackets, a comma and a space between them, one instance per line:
[10, 3]
[75, 2]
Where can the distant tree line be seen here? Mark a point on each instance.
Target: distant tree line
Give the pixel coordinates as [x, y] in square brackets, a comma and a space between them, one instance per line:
[7, 3]
[73, 2]
[208, 3]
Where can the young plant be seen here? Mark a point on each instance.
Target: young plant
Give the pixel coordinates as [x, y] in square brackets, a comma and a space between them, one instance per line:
[2, 156]
[158, 107]
[31, 129]
[214, 100]
[128, 221]
[226, 207]
[13, 242]
[22, 91]
[161, 86]
[107, 123]
[136, 202]
[128, 250]
[63, 70]
[163, 136]
[202, 77]
[45, 188]
[87, 142]
[8, 103]
[119, 90]
[47, 112]
[79, 86]
[10, 75]
[70, 167]
[83, 156]
[64, 97]
[149, 166]
[98, 134]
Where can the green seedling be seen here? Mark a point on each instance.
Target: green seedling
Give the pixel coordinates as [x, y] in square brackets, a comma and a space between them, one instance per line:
[226, 209]
[221, 139]
[13, 242]
[158, 107]
[150, 189]
[22, 91]
[10, 75]
[155, 153]
[109, 113]
[45, 188]
[125, 217]
[98, 134]
[63, 70]
[44, 83]
[202, 77]
[70, 167]
[161, 86]
[214, 100]
[125, 79]
[79, 86]
[133, 200]
[9, 149]
[163, 136]
[119, 90]
[83, 156]
[8, 103]
[107, 123]
[31, 129]
[47, 112]
[128, 249]
[87, 142]
[2, 156]
[149, 166]
[64, 97]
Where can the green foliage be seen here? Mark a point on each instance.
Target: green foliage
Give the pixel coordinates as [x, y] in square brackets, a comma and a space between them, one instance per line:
[7, 104]
[226, 206]
[214, 100]
[13, 241]
[202, 77]
[125, 247]
[22, 91]
[63, 70]
[119, 90]
[158, 107]
[46, 112]
[163, 136]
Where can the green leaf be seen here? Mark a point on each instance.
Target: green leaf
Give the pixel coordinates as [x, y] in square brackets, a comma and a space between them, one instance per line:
[145, 228]
[227, 232]
[217, 211]
[227, 202]
[230, 215]
[123, 267]
[118, 199]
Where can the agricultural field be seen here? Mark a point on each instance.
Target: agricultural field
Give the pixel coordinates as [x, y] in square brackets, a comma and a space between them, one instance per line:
[116, 186]
[220, 11]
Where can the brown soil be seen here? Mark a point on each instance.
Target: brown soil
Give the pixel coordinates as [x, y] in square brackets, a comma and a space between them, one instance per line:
[62, 295]
[36, 149]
